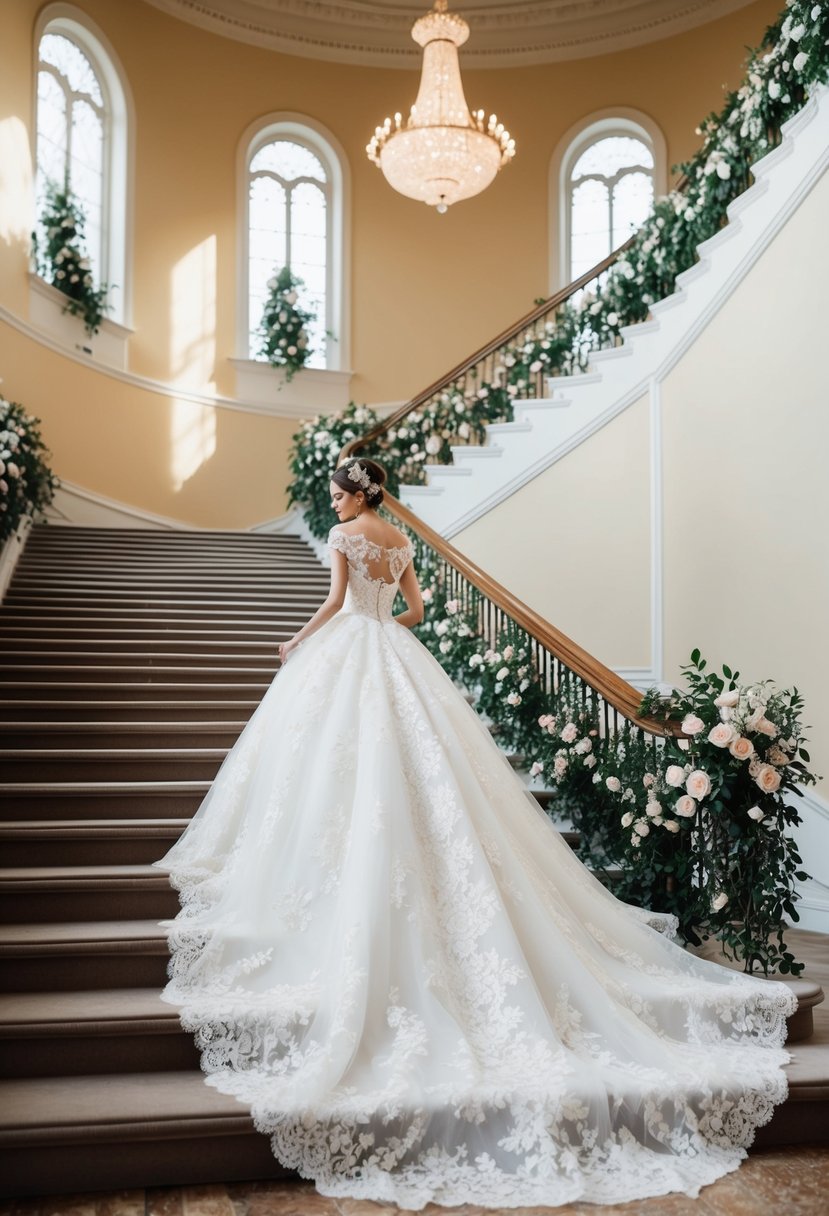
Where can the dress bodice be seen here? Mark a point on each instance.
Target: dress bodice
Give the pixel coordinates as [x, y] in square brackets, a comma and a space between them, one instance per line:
[367, 595]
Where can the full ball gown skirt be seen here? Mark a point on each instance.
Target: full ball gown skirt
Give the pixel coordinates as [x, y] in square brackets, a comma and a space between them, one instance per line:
[386, 951]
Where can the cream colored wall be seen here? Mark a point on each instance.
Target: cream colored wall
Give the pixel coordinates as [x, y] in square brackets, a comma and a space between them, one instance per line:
[425, 289]
[746, 502]
[574, 543]
[205, 465]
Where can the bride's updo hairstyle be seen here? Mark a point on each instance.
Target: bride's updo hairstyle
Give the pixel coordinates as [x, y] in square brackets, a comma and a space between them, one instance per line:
[365, 475]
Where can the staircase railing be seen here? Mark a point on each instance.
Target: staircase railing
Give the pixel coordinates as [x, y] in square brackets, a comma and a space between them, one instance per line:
[565, 670]
[485, 366]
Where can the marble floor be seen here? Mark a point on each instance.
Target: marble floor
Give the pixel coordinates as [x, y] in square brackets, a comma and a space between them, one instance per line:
[774, 1182]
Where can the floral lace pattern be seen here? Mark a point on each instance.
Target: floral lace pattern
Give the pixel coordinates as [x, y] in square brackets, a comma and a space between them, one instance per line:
[386, 951]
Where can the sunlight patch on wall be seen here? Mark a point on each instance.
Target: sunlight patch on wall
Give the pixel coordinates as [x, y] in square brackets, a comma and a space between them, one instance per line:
[192, 440]
[16, 192]
[193, 318]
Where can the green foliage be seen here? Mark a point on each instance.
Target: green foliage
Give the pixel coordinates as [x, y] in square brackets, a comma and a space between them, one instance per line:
[710, 811]
[27, 484]
[63, 261]
[283, 330]
[317, 444]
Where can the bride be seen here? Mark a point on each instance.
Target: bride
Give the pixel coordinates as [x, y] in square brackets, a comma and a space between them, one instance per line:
[386, 951]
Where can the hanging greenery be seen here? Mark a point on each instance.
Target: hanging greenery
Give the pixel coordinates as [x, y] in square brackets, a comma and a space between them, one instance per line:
[63, 260]
[284, 327]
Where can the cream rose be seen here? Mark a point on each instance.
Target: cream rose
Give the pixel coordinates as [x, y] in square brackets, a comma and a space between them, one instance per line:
[727, 699]
[627, 819]
[675, 775]
[722, 734]
[755, 813]
[766, 727]
[642, 827]
[685, 806]
[671, 825]
[719, 902]
[768, 779]
[741, 748]
[692, 725]
[698, 783]
[569, 733]
[613, 784]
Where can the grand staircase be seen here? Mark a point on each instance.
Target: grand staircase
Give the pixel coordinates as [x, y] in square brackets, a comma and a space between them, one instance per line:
[131, 661]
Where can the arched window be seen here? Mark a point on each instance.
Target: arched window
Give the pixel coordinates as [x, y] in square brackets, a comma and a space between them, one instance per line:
[608, 171]
[295, 205]
[82, 140]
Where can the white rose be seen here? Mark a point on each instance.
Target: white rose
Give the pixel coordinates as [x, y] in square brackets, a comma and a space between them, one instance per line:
[613, 784]
[698, 783]
[627, 819]
[642, 827]
[509, 651]
[722, 734]
[723, 170]
[675, 775]
[502, 674]
[671, 825]
[800, 61]
[445, 646]
[570, 733]
[692, 725]
[685, 806]
[514, 698]
[433, 445]
[719, 902]
[729, 698]
[774, 89]
[741, 748]
[654, 808]
[768, 779]
[755, 813]
[613, 318]
[536, 768]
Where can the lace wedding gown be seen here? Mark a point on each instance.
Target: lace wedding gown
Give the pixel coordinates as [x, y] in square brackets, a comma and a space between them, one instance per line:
[388, 953]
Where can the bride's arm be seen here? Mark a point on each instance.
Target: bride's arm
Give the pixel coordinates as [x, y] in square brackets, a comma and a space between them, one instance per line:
[330, 607]
[410, 588]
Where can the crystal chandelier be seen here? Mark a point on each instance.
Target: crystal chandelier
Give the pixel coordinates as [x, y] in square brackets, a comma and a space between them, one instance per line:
[443, 153]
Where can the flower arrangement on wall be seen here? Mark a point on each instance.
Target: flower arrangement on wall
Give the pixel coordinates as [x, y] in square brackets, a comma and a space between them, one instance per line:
[792, 58]
[63, 261]
[27, 484]
[284, 327]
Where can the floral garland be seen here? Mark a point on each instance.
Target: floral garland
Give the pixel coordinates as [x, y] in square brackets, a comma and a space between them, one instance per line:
[27, 485]
[792, 59]
[64, 263]
[283, 331]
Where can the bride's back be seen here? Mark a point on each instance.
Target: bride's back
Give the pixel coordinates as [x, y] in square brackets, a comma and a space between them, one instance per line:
[378, 533]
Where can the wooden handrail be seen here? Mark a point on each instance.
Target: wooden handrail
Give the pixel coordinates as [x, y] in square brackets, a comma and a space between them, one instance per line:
[554, 301]
[616, 691]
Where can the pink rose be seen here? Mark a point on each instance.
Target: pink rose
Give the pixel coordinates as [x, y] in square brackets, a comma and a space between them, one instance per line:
[698, 783]
[642, 827]
[536, 768]
[692, 725]
[685, 806]
[675, 775]
[766, 728]
[545, 720]
[722, 734]
[741, 748]
[768, 779]
[727, 699]
[613, 784]
[560, 766]
[569, 733]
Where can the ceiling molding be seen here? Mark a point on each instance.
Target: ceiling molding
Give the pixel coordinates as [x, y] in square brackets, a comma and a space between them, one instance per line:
[505, 34]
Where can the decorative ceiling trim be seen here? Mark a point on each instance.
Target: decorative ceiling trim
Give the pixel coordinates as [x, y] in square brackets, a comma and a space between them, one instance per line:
[507, 34]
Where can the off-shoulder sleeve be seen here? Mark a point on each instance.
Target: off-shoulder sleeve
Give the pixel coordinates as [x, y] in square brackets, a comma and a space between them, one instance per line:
[338, 540]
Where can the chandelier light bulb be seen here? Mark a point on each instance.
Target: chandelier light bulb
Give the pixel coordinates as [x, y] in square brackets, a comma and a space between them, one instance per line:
[442, 153]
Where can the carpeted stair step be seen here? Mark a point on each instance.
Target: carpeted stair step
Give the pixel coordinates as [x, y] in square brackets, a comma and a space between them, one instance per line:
[23, 691]
[74, 955]
[101, 734]
[135, 763]
[52, 894]
[146, 660]
[56, 1034]
[87, 842]
[125, 1130]
[204, 646]
[123, 710]
[100, 799]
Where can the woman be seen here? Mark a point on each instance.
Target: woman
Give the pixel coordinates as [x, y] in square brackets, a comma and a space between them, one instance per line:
[387, 952]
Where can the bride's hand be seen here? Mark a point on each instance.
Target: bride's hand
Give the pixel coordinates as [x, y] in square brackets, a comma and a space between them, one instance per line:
[286, 648]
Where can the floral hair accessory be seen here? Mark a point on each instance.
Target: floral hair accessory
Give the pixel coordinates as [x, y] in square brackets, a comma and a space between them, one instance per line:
[360, 475]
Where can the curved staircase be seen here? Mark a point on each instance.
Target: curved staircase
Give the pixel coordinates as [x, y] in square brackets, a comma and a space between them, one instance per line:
[131, 661]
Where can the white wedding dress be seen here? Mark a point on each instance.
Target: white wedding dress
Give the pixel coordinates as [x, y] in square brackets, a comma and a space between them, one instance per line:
[386, 951]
